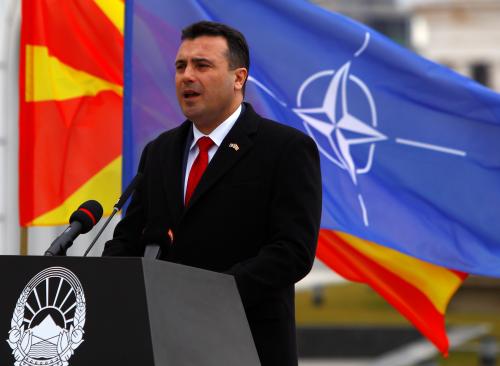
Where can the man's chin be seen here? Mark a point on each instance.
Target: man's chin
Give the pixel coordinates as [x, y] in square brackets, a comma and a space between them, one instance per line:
[191, 113]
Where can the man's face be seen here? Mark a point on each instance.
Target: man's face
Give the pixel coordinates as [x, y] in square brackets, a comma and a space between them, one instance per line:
[207, 90]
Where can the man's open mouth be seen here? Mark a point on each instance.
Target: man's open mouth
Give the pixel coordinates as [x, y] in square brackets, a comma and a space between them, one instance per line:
[190, 94]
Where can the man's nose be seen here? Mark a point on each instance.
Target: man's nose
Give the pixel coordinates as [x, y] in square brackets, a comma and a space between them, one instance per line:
[189, 74]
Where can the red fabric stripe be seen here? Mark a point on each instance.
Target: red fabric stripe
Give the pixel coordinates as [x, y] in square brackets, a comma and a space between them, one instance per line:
[407, 299]
[89, 214]
[76, 32]
[64, 144]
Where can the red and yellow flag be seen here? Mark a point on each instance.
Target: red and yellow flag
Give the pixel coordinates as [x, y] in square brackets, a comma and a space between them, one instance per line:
[419, 290]
[71, 86]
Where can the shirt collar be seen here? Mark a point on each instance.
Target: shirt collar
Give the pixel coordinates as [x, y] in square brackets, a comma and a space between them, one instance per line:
[220, 132]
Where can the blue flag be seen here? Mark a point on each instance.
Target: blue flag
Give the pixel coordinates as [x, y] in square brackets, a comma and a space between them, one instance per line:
[410, 150]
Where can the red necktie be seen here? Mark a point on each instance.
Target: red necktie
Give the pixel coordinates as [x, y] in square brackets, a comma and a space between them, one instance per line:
[199, 166]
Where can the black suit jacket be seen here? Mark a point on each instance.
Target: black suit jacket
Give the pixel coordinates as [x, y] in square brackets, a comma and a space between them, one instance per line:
[255, 214]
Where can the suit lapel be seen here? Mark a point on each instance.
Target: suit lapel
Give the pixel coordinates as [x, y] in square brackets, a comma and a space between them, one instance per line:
[234, 146]
[173, 172]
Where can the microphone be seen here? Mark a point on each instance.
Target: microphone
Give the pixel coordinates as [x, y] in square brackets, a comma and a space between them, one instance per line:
[81, 221]
[117, 207]
[152, 251]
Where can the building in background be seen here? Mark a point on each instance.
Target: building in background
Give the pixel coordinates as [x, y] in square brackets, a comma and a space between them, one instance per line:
[385, 16]
[462, 34]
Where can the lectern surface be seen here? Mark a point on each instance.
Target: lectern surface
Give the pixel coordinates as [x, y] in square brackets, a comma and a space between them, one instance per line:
[70, 311]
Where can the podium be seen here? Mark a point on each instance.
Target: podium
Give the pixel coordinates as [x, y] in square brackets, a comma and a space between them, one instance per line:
[71, 311]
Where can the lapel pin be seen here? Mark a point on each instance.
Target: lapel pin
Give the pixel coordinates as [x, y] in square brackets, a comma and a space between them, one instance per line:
[234, 146]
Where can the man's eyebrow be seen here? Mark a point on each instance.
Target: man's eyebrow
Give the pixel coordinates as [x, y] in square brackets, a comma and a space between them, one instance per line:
[196, 60]
[201, 59]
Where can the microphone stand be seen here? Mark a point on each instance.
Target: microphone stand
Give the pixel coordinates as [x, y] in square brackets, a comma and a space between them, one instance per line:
[117, 207]
[115, 210]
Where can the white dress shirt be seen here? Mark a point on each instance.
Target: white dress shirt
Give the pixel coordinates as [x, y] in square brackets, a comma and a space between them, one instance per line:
[216, 135]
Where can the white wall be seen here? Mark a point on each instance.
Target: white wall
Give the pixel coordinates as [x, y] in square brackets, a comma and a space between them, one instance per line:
[9, 56]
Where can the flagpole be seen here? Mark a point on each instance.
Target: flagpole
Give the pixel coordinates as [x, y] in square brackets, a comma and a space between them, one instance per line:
[23, 245]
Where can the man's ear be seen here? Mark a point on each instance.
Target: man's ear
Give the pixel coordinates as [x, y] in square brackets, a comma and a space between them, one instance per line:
[240, 74]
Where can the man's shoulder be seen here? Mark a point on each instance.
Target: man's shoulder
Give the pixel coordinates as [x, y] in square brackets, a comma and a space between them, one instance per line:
[268, 128]
[279, 129]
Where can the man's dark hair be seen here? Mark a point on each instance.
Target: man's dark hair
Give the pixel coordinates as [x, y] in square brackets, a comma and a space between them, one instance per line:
[239, 55]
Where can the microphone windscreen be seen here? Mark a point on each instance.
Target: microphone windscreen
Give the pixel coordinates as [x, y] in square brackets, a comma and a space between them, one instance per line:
[88, 214]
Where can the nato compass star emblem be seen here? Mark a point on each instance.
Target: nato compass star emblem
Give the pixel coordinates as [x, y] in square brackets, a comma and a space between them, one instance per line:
[338, 131]
[340, 128]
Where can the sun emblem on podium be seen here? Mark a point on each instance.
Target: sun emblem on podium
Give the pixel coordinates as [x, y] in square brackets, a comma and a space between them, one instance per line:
[48, 320]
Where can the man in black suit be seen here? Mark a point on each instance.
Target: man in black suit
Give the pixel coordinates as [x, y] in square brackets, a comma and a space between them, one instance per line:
[253, 212]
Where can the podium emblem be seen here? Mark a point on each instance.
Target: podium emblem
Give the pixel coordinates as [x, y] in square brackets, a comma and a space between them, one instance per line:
[48, 320]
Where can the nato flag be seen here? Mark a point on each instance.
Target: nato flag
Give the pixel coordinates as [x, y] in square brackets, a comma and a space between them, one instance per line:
[410, 150]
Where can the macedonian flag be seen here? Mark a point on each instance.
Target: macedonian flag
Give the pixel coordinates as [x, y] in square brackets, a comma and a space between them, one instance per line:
[70, 127]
